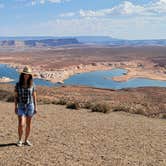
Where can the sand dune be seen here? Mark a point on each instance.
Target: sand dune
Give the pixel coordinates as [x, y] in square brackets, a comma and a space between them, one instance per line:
[78, 137]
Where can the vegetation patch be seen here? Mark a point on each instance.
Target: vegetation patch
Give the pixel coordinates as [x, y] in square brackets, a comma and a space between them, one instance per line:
[10, 98]
[88, 105]
[162, 116]
[73, 105]
[120, 108]
[46, 101]
[101, 107]
[62, 101]
[6, 96]
[54, 101]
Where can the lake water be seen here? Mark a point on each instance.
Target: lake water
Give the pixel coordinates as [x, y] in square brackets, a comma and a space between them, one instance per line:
[7, 71]
[99, 79]
[94, 79]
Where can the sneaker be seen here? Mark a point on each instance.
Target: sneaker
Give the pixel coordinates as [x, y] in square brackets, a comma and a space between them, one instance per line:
[28, 143]
[19, 143]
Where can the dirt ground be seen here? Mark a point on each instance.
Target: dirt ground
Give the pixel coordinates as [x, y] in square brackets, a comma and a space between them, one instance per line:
[65, 137]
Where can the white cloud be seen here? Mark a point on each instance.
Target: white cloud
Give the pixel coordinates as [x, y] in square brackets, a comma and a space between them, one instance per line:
[57, 1]
[91, 13]
[125, 9]
[126, 20]
[34, 2]
[158, 7]
[69, 14]
[130, 28]
[129, 8]
[161, 2]
[42, 1]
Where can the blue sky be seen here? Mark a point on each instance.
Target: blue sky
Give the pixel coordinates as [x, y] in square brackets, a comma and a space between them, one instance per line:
[130, 19]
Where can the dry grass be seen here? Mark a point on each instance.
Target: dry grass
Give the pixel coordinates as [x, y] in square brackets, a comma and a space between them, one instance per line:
[101, 107]
[162, 116]
[73, 105]
[120, 108]
[62, 101]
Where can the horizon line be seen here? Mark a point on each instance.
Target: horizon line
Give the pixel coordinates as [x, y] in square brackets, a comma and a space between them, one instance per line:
[108, 36]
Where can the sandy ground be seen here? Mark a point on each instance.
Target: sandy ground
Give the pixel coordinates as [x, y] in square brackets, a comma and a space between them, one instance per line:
[66, 137]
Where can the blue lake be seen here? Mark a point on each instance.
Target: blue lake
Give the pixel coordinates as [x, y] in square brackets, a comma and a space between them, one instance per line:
[95, 79]
[7, 71]
[99, 79]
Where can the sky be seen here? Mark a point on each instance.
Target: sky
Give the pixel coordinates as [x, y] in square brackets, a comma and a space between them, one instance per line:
[130, 19]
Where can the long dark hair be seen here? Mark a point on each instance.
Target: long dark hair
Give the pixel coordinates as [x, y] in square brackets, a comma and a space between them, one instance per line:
[29, 82]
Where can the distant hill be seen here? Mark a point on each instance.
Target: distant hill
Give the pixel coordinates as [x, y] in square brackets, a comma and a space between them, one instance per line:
[23, 38]
[161, 42]
[49, 41]
[106, 40]
[38, 43]
[95, 39]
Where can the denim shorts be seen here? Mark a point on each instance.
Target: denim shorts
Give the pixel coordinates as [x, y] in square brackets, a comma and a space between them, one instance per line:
[25, 109]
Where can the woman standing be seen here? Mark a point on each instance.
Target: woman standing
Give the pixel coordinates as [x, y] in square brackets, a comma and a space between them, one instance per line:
[25, 104]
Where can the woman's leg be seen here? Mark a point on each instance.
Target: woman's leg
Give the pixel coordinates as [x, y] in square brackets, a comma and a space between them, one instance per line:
[21, 123]
[28, 127]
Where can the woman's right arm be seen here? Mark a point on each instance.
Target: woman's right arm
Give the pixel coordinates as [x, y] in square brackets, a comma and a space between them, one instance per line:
[15, 101]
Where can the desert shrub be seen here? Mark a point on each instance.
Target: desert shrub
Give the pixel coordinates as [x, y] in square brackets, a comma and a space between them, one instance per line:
[10, 98]
[4, 95]
[120, 108]
[73, 105]
[88, 105]
[136, 109]
[39, 100]
[62, 102]
[162, 116]
[139, 111]
[100, 107]
[54, 102]
[46, 101]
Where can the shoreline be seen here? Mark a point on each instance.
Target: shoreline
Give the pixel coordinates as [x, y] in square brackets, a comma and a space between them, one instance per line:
[59, 75]
[5, 80]
[146, 74]
[135, 69]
